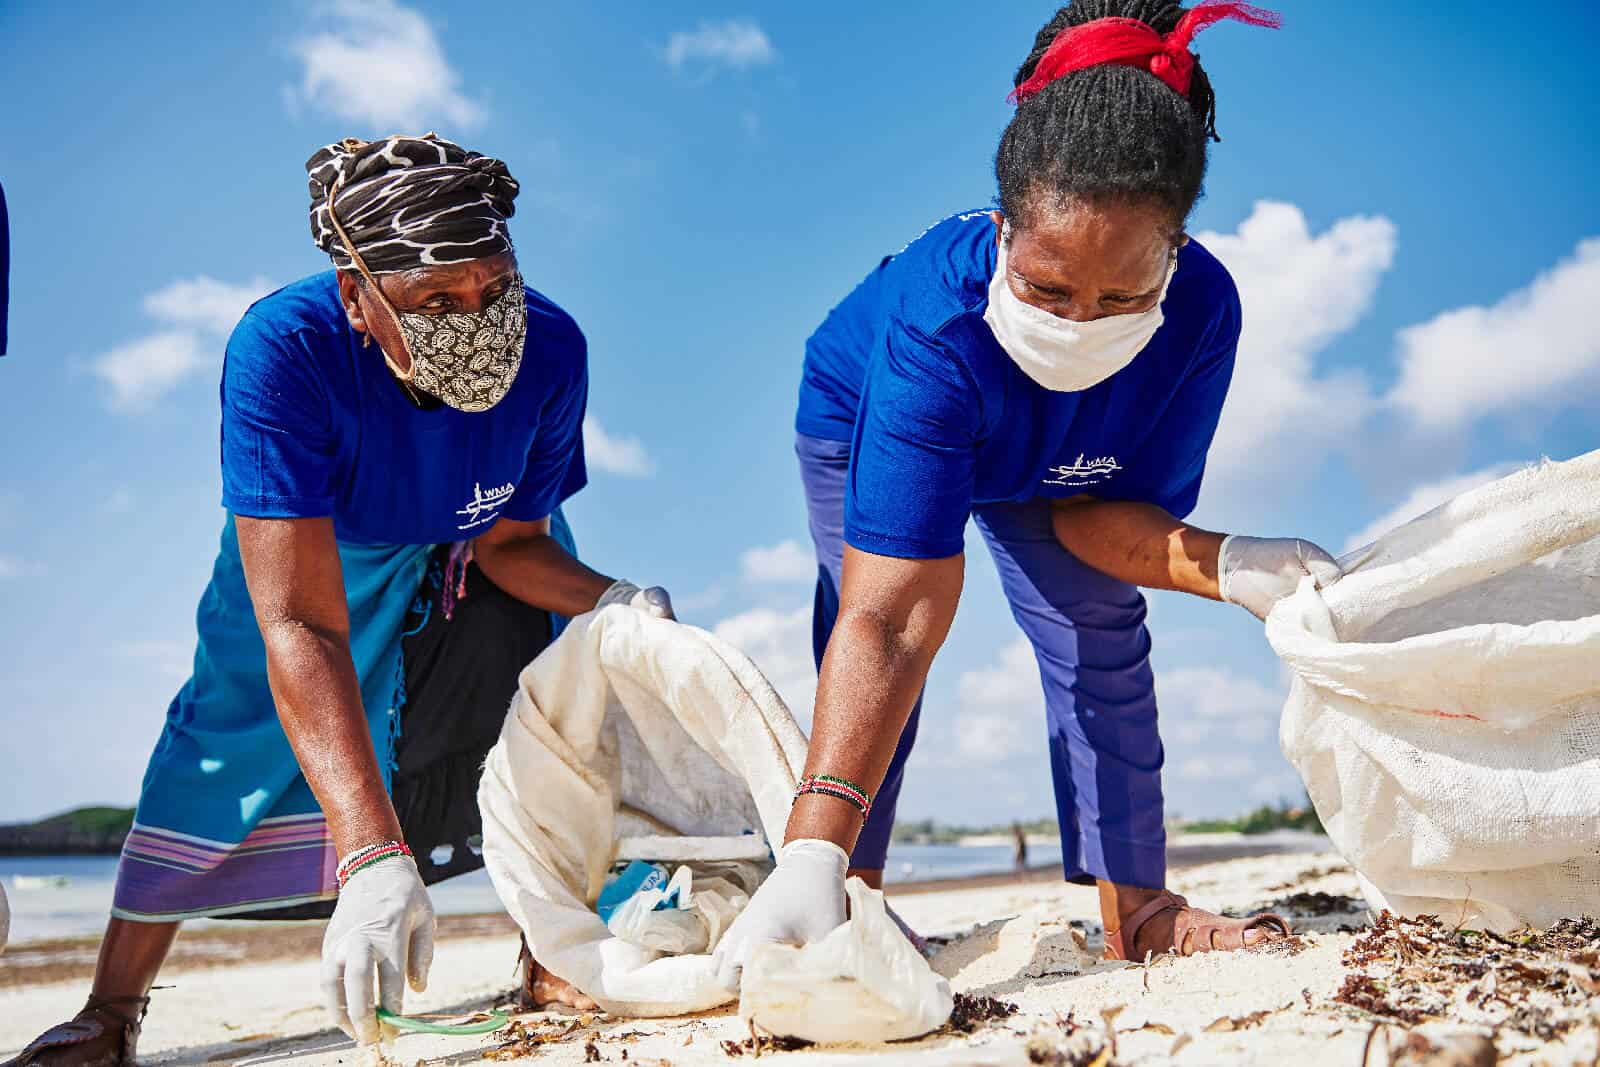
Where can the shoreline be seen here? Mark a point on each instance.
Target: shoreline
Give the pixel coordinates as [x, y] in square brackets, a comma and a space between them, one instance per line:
[246, 942]
[1031, 940]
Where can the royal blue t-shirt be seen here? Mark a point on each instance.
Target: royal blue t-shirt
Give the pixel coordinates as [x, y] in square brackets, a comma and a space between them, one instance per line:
[941, 419]
[314, 425]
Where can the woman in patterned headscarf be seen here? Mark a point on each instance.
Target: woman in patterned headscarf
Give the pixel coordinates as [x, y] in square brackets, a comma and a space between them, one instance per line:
[397, 437]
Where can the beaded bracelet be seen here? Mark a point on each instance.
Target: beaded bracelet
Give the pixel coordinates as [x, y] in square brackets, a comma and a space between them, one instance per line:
[362, 858]
[830, 786]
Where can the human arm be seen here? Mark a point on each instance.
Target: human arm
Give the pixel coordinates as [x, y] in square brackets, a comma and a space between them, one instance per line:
[893, 616]
[383, 923]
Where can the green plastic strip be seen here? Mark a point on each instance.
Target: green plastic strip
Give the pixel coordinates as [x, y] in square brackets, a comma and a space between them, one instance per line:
[497, 1020]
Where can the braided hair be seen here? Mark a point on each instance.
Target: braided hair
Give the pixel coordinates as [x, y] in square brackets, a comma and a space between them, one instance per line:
[1106, 133]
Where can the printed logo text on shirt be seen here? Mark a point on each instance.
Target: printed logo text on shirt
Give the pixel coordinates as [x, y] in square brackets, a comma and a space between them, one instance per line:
[484, 506]
[1084, 471]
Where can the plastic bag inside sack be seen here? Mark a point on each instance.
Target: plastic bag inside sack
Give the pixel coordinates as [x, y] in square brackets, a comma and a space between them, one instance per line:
[689, 913]
[863, 983]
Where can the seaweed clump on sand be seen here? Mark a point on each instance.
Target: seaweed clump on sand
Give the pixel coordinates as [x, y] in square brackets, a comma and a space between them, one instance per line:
[971, 1012]
[522, 1039]
[1535, 984]
[758, 1043]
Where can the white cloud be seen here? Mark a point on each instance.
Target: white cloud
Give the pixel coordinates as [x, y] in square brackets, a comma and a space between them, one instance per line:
[119, 501]
[1231, 766]
[779, 641]
[785, 561]
[143, 371]
[1201, 704]
[205, 303]
[379, 63]
[11, 567]
[615, 454]
[1533, 346]
[1423, 499]
[202, 312]
[1299, 290]
[737, 43]
[1001, 707]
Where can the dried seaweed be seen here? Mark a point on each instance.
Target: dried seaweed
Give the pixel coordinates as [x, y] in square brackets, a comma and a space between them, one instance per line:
[1317, 904]
[1367, 994]
[1413, 969]
[757, 1044]
[972, 1012]
[522, 1039]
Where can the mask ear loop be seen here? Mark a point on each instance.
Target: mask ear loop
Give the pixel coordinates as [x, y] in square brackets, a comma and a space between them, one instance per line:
[405, 376]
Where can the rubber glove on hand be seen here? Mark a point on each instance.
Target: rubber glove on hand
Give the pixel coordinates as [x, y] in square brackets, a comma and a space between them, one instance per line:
[653, 601]
[1257, 572]
[800, 902]
[383, 923]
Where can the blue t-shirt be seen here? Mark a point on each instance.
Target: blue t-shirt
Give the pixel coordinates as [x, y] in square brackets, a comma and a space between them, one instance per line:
[941, 419]
[313, 425]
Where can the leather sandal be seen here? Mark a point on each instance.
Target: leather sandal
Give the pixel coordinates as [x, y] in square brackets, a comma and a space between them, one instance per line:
[1193, 931]
[100, 1035]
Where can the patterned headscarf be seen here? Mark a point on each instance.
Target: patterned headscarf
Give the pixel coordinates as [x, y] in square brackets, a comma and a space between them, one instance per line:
[410, 202]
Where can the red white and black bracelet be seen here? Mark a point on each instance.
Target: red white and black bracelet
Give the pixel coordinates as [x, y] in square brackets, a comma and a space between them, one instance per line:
[829, 785]
[371, 855]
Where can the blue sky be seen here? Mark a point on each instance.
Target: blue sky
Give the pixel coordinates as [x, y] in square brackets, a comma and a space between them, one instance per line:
[1405, 201]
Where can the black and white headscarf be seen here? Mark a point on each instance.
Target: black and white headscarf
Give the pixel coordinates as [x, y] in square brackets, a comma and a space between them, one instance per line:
[410, 202]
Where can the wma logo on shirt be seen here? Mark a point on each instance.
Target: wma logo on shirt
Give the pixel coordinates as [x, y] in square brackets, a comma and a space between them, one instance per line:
[1084, 471]
[484, 506]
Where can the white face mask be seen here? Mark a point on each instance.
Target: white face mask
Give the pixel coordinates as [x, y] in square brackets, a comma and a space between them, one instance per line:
[1062, 355]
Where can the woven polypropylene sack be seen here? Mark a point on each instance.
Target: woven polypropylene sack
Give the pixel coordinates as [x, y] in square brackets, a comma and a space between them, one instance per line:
[1445, 707]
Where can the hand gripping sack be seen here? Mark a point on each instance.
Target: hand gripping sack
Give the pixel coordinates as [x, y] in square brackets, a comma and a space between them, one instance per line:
[630, 726]
[1445, 707]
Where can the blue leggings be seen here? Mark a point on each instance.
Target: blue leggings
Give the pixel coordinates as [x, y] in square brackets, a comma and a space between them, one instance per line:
[1089, 638]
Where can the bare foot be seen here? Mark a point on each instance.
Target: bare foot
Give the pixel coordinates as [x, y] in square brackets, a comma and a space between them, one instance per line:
[549, 989]
[540, 988]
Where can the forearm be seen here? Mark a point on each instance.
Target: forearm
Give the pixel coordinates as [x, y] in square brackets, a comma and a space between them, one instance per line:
[318, 697]
[1140, 544]
[870, 678]
[537, 570]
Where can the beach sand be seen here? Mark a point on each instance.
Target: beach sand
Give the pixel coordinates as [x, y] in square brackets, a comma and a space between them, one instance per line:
[246, 998]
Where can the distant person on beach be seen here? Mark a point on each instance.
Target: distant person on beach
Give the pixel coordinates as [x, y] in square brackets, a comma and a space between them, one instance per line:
[397, 437]
[1020, 843]
[1053, 370]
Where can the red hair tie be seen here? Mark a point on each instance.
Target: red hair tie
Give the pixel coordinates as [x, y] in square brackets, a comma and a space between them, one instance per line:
[1131, 43]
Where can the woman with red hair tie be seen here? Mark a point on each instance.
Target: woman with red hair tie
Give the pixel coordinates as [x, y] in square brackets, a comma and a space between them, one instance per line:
[1055, 371]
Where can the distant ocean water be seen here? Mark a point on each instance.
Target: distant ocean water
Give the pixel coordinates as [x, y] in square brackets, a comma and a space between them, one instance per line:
[70, 896]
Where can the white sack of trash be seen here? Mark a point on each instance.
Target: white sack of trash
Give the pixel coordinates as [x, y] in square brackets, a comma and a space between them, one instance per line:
[1445, 707]
[661, 741]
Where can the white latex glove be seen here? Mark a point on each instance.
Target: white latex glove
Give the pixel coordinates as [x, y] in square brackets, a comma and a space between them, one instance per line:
[1257, 572]
[383, 923]
[652, 601]
[801, 900]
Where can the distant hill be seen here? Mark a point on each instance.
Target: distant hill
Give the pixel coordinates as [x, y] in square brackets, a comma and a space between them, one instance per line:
[89, 831]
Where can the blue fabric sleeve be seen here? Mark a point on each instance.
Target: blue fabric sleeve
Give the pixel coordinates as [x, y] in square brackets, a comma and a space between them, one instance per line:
[279, 450]
[556, 469]
[1173, 461]
[914, 458]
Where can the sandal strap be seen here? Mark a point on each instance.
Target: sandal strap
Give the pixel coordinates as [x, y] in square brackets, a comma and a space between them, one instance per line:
[108, 1005]
[90, 1024]
[1121, 940]
[1205, 931]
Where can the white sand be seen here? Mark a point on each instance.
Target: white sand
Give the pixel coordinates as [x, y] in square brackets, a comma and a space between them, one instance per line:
[1024, 950]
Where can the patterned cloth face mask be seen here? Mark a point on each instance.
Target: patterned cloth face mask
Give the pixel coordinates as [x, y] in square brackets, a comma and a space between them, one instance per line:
[468, 359]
